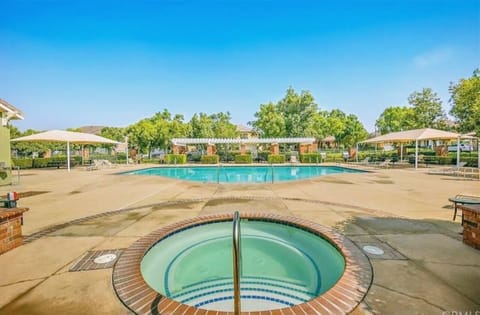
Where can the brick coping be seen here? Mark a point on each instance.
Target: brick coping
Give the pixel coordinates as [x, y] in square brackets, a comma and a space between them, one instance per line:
[6, 213]
[342, 298]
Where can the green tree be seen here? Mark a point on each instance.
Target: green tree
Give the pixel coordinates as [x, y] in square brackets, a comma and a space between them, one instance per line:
[427, 108]
[269, 122]
[465, 101]
[354, 131]
[396, 118]
[114, 133]
[222, 127]
[143, 135]
[298, 111]
[201, 126]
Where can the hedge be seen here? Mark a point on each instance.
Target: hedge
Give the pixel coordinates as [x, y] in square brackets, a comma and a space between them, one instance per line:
[209, 159]
[276, 158]
[243, 158]
[22, 163]
[175, 159]
[310, 158]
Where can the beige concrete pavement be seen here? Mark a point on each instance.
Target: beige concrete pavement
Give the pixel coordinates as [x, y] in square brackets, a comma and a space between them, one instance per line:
[405, 210]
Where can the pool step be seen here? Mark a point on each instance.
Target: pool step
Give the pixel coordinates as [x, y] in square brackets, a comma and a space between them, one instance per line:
[255, 292]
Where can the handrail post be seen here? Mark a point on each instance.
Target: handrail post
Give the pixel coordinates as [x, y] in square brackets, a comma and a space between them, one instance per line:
[236, 263]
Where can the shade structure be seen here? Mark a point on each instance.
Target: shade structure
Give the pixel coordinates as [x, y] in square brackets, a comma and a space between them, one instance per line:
[418, 135]
[68, 137]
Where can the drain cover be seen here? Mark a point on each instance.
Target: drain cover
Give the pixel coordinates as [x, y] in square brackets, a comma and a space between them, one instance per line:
[103, 259]
[374, 250]
[100, 259]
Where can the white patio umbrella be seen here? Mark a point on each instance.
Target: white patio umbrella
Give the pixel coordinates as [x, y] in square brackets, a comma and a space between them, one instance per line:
[68, 137]
[418, 135]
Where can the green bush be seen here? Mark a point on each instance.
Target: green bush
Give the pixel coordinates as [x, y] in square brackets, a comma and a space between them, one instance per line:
[152, 161]
[175, 159]
[22, 163]
[310, 158]
[209, 159]
[276, 158]
[40, 162]
[243, 158]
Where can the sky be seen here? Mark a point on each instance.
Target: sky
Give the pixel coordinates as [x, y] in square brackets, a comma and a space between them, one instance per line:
[68, 64]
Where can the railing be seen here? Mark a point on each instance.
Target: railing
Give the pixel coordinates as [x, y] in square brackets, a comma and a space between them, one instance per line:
[236, 263]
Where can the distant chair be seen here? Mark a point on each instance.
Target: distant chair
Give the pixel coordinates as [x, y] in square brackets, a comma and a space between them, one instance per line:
[293, 159]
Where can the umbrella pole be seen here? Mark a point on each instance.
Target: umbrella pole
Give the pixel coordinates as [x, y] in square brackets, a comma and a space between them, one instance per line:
[68, 156]
[458, 152]
[416, 154]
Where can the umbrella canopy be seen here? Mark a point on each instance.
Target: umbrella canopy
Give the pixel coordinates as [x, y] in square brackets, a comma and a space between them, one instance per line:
[68, 137]
[414, 135]
[418, 135]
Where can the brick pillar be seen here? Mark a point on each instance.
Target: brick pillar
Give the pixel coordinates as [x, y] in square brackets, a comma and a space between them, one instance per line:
[274, 149]
[47, 154]
[302, 148]
[11, 228]
[243, 149]
[211, 150]
[175, 149]
[86, 154]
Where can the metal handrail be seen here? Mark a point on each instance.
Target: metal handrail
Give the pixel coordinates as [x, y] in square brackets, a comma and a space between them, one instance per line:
[236, 263]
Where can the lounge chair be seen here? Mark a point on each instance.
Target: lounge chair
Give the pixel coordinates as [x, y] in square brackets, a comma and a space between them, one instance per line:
[451, 170]
[293, 159]
[385, 164]
[463, 199]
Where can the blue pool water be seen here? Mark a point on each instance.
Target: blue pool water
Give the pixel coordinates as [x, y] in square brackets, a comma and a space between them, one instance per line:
[243, 174]
[194, 266]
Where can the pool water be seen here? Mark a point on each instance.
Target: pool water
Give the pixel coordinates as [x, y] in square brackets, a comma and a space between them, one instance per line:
[281, 266]
[243, 174]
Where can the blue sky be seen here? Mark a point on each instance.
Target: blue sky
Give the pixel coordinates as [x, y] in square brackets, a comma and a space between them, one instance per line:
[75, 63]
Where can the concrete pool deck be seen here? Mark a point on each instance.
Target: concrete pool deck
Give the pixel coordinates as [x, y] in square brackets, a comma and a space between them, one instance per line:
[425, 268]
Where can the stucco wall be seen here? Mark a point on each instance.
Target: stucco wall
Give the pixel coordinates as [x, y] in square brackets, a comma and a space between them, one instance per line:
[5, 159]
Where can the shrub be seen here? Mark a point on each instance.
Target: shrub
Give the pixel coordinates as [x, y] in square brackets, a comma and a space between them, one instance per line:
[22, 163]
[41, 162]
[310, 158]
[209, 159]
[276, 158]
[243, 158]
[152, 161]
[175, 159]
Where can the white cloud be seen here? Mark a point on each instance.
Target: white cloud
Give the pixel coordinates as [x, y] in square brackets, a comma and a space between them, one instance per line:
[433, 57]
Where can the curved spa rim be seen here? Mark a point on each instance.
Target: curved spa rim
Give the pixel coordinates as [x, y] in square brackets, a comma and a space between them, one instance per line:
[342, 298]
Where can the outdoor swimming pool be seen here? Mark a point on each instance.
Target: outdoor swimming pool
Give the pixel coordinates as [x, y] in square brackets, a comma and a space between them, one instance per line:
[243, 174]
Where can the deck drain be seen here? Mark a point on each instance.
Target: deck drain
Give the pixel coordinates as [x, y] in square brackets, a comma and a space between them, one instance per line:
[100, 259]
[378, 250]
[374, 250]
[104, 259]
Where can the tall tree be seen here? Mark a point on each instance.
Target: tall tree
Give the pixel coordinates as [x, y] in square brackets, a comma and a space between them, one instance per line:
[298, 111]
[353, 132]
[427, 109]
[396, 118]
[201, 126]
[269, 122]
[465, 101]
[222, 127]
[114, 133]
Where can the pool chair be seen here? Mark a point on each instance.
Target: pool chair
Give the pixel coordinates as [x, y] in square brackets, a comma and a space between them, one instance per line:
[463, 199]
[452, 170]
[385, 164]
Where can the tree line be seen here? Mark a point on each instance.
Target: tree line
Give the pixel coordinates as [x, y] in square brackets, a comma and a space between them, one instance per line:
[297, 115]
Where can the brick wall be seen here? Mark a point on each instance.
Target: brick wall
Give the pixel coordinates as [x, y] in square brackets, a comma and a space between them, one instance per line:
[10, 229]
[471, 227]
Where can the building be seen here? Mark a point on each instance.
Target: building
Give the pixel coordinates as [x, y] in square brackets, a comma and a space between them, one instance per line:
[245, 132]
[7, 112]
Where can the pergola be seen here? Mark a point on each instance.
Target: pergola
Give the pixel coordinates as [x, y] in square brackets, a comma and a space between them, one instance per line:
[186, 141]
[211, 142]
